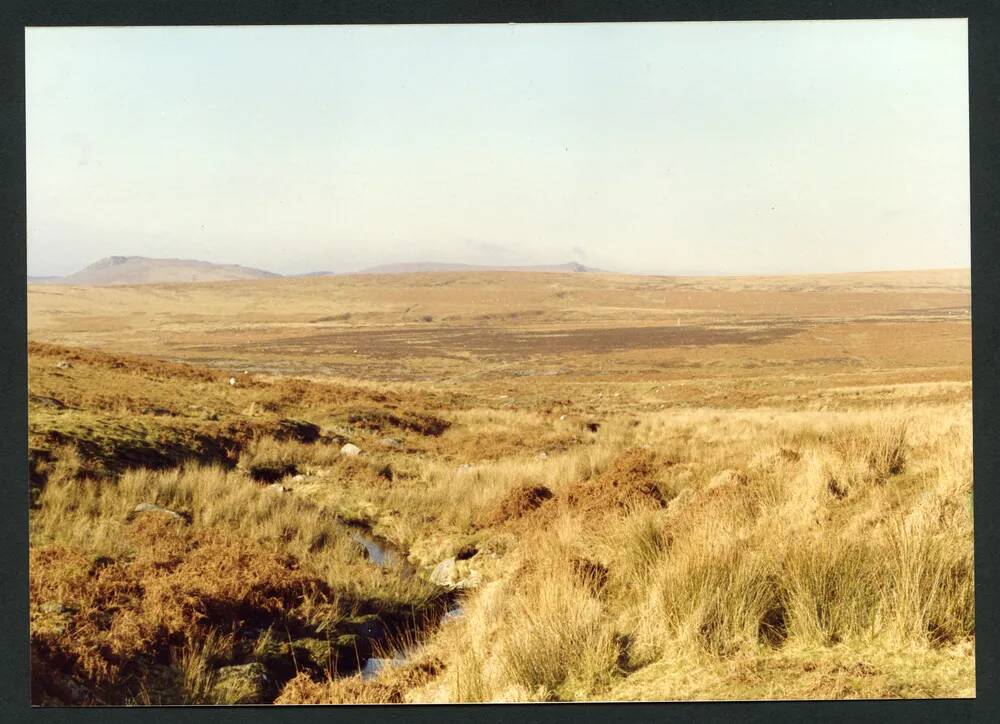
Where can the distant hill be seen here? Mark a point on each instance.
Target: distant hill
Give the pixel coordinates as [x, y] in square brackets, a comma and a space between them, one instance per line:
[429, 266]
[145, 270]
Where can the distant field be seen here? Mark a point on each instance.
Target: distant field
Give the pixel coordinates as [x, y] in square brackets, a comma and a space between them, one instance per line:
[603, 486]
[433, 326]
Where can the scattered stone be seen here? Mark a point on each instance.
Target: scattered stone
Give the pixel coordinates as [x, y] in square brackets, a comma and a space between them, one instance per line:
[63, 364]
[232, 382]
[350, 450]
[727, 479]
[158, 411]
[243, 684]
[153, 508]
[47, 402]
[373, 665]
[445, 573]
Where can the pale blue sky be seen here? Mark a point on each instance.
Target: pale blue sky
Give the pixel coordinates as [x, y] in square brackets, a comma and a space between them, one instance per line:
[660, 147]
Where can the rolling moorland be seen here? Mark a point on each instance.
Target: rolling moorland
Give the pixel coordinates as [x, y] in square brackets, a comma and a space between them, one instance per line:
[485, 486]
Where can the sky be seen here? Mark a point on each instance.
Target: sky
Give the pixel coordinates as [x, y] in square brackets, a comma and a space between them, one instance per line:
[669, 148]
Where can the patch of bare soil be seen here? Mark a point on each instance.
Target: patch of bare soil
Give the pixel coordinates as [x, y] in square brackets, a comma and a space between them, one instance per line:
[630, 481]
[448, 341]
[517, 503]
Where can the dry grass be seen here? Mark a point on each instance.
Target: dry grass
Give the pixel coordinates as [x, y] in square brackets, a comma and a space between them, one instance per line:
[647, 523]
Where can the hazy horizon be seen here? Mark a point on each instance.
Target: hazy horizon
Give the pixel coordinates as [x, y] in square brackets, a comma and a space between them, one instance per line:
[660, 148]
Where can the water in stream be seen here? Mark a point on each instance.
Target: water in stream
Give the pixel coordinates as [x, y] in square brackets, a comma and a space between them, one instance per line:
[382, 553]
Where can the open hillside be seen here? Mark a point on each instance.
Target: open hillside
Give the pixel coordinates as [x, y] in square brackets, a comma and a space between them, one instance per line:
[114, 270]
[451, 487]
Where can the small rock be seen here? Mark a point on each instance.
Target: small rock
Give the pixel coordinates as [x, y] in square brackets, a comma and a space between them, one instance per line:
[232, 381]
[298, 477]
[159, 411]
[153, 508]
[277, 488]
[63, 364]
[391, 442]
[727, 479]
[445, 573]
[562, 417]
[465, 466]
[350, 450]
[542, 455]
[47, 402]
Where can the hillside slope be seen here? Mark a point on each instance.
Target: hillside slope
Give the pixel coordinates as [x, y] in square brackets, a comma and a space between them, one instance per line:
[145, 270]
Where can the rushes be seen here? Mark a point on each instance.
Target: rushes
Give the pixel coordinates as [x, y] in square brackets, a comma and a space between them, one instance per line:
[769, 560]
[763, 535]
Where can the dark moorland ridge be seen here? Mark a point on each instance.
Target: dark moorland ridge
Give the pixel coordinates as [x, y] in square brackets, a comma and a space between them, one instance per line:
[145, 270]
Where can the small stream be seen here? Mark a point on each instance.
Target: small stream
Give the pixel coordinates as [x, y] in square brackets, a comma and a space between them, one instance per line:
[383, 553]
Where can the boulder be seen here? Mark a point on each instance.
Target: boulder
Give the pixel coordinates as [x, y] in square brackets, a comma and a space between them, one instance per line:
[350, 450]
[449, 573]
[445, 573]
[157, 509]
